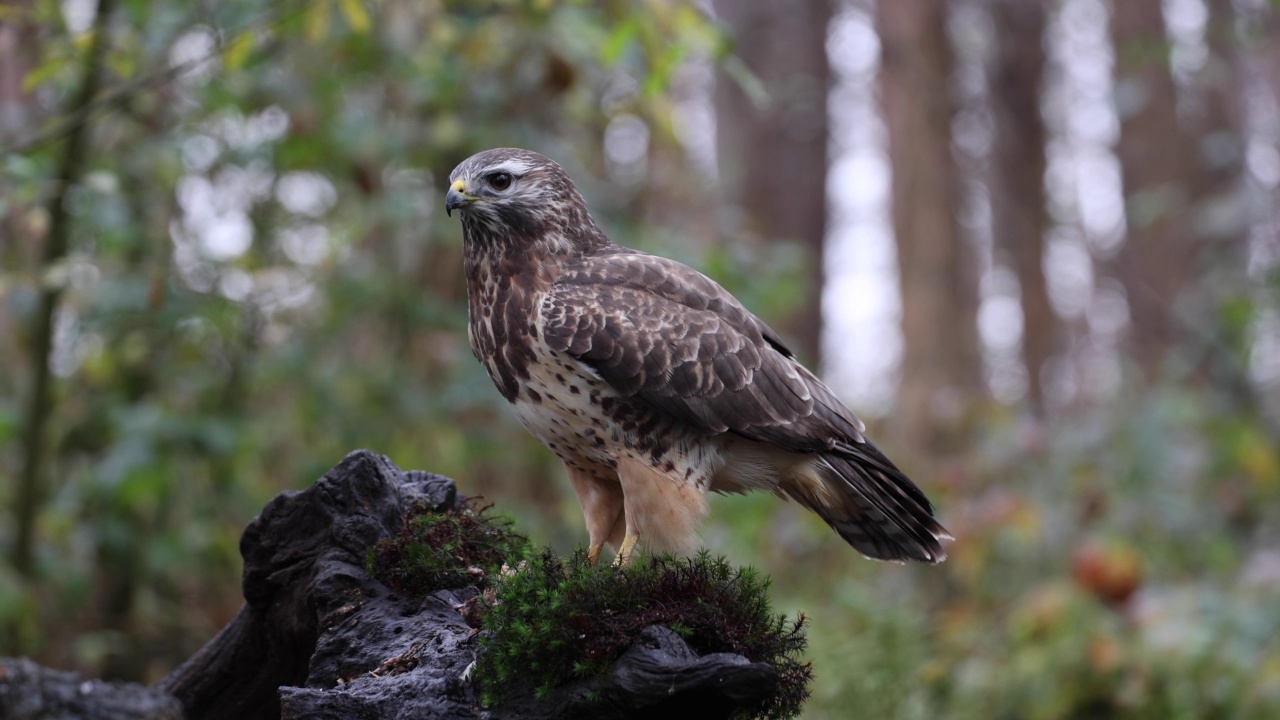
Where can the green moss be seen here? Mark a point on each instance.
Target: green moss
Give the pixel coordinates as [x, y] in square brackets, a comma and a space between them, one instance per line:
[555, 620]
[560, 620]
[446, 549]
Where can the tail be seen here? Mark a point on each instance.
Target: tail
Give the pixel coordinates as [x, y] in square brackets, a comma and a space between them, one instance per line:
[871, 504]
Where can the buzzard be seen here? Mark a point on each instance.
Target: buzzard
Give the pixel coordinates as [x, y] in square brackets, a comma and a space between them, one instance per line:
[652, 383]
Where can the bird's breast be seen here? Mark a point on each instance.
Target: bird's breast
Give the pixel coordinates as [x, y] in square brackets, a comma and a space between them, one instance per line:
[589, 425]
[561, 403]
[561, 400]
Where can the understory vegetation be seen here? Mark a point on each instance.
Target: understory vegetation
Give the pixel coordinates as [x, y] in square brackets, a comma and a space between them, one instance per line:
[1116, 568]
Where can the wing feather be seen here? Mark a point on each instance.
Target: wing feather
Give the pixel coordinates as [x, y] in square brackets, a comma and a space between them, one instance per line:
[669, 336]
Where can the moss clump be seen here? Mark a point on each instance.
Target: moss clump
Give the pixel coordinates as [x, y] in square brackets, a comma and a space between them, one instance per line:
[557, 621]
[449, 548]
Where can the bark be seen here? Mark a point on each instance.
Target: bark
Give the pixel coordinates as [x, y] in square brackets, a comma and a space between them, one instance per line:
[303, 559]
[36, 419]
[19, 39]
[1020, 218]
[1218, 122]
[773, 159]
[1268, 28]
[1221, 219]
[31, 692]
[1158, 259]
[941, 365]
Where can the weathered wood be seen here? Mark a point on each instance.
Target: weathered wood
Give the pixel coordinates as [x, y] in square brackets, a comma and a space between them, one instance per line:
[31, 692]
[303, 558]
[318, 639]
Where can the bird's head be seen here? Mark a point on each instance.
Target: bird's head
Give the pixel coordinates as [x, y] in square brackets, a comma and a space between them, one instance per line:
[509, 196]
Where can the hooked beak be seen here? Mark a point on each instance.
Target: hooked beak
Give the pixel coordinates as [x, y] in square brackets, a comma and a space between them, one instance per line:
[456, 197]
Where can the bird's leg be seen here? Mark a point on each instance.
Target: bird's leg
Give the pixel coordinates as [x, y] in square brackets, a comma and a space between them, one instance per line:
[626, 551]
[662, 509]
[601, 501]
[618, 534]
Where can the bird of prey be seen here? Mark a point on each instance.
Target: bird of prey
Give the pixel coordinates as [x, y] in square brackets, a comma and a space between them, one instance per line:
[652, 383]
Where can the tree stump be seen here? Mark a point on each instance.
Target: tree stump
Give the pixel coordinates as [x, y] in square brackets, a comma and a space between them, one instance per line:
[316, 638]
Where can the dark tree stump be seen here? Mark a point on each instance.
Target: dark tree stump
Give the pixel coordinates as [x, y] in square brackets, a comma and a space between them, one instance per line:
[303, 571]
[317, 639]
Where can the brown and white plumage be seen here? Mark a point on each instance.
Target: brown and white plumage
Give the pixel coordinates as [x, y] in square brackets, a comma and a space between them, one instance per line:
[652, 383]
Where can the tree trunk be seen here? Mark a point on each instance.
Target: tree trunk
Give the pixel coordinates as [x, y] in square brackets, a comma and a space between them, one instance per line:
[1157, 261]
[941, 365]
[1019, 216]
[1218, 123]
[773, 158]
[1270, 59]
[1222, 214]
[36, 418]
[19, 40]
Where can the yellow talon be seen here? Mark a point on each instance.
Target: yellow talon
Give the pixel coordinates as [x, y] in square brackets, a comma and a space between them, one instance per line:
[626, 551]
[593, 553]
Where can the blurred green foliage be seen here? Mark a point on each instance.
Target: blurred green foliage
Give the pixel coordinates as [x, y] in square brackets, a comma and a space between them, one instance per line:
[1111, 564]
[261, 280]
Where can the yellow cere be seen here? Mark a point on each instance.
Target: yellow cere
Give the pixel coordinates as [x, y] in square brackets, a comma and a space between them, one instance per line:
[459, 185]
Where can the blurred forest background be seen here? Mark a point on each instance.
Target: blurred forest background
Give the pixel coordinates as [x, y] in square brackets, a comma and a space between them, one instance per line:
[1035, 244]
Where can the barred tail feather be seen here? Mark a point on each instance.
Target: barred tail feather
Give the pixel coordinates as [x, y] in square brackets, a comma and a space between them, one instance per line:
[871, 504]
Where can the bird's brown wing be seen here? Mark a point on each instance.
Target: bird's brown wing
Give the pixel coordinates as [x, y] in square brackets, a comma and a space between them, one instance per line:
[668, 336]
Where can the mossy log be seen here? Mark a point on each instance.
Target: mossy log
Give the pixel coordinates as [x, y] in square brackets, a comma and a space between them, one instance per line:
[316, 638]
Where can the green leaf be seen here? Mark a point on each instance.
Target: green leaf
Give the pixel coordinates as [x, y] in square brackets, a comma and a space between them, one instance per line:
[317, 21]
[618, 41]
[357, 15]
[44, 72]
[238, 50]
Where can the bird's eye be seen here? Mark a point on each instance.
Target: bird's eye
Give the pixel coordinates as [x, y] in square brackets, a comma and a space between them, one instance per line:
[500, 180]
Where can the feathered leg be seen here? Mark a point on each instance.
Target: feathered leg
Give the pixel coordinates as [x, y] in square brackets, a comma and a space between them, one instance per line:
[662, 512]
[601, 502]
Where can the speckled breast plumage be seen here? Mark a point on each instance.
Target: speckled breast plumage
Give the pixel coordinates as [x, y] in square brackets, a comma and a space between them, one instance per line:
[583, 420]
